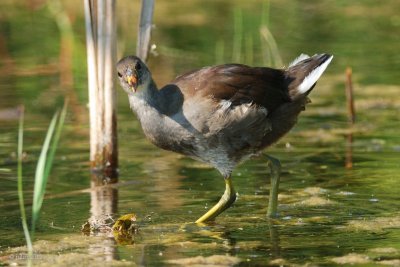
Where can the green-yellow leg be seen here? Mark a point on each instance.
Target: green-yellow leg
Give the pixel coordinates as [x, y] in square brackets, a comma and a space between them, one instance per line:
[275, 168]
[225, 202]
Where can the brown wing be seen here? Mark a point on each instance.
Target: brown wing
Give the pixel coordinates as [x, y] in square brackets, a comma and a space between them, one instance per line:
[236, 83]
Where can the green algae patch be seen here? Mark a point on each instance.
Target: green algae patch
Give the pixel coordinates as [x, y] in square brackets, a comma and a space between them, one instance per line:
[68, 250]
[374, 225]
[352, 258]
[215, 260]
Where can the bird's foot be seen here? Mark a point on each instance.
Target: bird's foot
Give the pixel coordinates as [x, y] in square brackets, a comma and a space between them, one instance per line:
[225, 202]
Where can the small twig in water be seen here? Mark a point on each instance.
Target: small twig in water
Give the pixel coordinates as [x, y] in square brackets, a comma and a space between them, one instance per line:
[350, 96]
[351, 116]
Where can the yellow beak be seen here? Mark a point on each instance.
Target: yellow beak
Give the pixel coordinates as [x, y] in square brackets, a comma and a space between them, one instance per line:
[132, 81]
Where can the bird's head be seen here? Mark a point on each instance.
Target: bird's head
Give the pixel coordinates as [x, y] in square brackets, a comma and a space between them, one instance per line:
[133, 74]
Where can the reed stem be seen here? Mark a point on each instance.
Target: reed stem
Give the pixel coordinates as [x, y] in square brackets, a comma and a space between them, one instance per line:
[144, 31]
[101, 57]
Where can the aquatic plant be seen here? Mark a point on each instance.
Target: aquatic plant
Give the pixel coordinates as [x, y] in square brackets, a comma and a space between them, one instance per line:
[20, 188]
[43, 167]
[45, 163]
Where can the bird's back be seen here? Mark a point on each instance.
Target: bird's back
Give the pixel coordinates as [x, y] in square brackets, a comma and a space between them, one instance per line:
[241, 84]
[236, 83]
[233, 111]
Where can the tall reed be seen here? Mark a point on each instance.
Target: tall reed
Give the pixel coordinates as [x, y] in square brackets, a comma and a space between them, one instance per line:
[100, 21]
[144, 30]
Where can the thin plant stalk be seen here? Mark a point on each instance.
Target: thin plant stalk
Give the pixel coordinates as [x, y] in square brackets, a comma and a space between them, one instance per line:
[144, 32]
[268, 42]
[265, 13]
[45, 163]
[272, 46]
[351, 112]
[20, 187]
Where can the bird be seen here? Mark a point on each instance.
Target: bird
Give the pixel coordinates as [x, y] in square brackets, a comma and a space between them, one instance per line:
[222, 115]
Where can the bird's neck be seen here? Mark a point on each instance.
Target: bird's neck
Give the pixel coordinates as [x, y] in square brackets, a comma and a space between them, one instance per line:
[146, 100]
[149, 93]
[146, 104]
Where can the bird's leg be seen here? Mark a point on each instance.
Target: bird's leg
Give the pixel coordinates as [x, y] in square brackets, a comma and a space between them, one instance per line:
[225, 202]
[275, 168]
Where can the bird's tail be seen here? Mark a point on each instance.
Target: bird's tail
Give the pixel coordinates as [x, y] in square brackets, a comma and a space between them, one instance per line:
[303, 73]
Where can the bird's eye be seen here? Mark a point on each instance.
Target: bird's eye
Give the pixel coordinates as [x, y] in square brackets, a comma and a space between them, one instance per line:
[119, 74]
[138, 66]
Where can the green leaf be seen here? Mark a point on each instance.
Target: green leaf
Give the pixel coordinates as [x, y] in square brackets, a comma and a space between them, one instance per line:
[45, 163]
[20, 188]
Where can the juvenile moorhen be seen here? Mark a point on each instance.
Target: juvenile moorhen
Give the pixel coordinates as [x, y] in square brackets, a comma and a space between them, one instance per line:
[222, 115]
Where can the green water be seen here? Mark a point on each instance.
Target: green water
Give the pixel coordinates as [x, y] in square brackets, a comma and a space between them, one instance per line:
[328, 214]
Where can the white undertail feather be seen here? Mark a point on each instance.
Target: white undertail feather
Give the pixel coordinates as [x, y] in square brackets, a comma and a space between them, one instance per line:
[313, 77]
[298, 59]
[225, 104]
